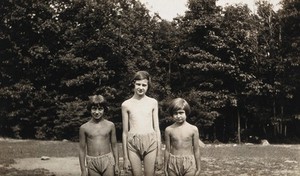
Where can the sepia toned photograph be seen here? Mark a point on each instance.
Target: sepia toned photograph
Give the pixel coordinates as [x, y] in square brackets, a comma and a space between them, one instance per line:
[150, 87]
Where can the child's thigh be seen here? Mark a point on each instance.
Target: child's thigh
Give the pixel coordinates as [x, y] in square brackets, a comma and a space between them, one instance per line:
[171, 173]
[191, 173]
[136, 163]
[149, 163]
[93, 173]
[110, 171]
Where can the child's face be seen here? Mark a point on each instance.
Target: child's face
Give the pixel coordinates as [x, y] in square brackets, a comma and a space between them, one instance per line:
[141, 86]
[179, 116]
[97, 112]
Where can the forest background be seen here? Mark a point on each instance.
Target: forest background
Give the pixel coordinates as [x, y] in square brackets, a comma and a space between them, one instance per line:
[239, 70]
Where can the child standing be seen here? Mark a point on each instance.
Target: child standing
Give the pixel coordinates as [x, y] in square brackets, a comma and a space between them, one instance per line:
[98, 153]
[182, 154]
[141, 133]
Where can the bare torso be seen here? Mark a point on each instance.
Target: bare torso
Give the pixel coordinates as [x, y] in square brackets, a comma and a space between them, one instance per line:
[181, 139]
[98, 137]
[140, 114]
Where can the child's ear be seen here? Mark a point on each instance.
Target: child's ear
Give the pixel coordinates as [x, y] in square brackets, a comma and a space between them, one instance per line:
[132, 84]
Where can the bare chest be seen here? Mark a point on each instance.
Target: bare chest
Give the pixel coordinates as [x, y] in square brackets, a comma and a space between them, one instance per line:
[98, 132]
[181, 137]
[143, 111]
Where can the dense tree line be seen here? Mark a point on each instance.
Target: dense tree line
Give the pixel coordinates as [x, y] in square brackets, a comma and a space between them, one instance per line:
[238, 69]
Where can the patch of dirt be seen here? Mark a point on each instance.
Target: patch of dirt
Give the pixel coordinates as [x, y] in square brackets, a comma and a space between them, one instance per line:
[67, 166]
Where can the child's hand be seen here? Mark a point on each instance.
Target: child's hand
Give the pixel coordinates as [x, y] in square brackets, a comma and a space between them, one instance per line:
[166, 171]
[117, 170]
[159, 163]
[197, 172]
[84, 173]
[126, 165]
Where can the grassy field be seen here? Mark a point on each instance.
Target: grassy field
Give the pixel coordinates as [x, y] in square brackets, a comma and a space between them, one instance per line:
[230, 160]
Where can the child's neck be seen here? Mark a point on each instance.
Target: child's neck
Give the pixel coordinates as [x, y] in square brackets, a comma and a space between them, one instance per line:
[180, 124]
[97, 120]
[139, 97]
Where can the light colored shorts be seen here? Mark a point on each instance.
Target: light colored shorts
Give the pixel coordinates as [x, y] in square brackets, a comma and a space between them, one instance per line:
[142, 144]
[99, 164]
[182, 165]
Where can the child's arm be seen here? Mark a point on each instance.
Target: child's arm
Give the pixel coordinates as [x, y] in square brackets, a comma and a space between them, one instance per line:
[114, 145]
[124, 137]
[157, 130]
[82, 151]
[196, 148]
[167, 151]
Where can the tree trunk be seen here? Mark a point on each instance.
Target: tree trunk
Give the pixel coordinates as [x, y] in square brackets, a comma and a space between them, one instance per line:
[280, 128]
[238, 118]
[239, 126]
[215, 133]
[274, 108]
[224, 129]
[285, 128]
[282, 122]
[274, 116]
[169, 71]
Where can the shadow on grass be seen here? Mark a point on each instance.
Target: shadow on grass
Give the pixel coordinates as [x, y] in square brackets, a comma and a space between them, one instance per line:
[7, 171]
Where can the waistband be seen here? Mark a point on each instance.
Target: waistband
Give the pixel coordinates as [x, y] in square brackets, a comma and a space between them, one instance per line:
[141, 134]
[182, 156]
[100, 156]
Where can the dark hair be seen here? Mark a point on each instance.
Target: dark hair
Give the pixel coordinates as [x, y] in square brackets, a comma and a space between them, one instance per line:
[178, 104]
[140, 75]
[97, 100]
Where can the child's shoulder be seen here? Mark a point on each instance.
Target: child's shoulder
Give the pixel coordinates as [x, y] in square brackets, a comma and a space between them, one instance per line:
[108, 122]
[127, 102]
[170, 127]
[151, 99]
[191, 126]
[85, 125]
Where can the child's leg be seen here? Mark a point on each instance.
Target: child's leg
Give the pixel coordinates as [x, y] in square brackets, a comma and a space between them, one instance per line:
[93, 173]
[149, 163]
[171, 173]
[110, 171]
[136, 163]
[191, 173]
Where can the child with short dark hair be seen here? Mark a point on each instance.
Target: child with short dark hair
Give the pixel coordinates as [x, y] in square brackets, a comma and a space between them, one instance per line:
[98, 153]
[182, 154]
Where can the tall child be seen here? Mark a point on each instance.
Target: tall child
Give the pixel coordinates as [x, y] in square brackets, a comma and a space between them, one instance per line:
[182, 154]
[141, 133]
[98, 153]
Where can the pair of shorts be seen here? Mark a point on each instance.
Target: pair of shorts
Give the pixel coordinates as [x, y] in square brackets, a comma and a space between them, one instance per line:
[182, 165]
[142, 144]
[99, 164]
